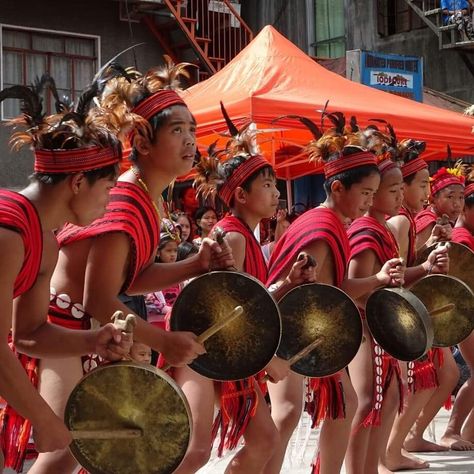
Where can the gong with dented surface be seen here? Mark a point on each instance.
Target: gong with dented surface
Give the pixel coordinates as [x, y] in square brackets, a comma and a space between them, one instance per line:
[319, 311]
[247, 344]
[129, 396]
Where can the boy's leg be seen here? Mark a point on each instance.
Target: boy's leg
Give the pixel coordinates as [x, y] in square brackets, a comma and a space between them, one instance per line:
[448, 376]
[396, 458]
[335, 434]
[361, 372]
[463, 404]
[261, 437]
[379, 434]
[200, 393]
[286, 399]
[57, 379]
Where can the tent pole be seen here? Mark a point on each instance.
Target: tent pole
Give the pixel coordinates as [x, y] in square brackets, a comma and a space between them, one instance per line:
[289, 196]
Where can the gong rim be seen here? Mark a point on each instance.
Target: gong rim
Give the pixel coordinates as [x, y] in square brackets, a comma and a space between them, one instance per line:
[453, 326]
[75, 418]
[461, 262]
[338, 347]
[246, 345]
[399, 323]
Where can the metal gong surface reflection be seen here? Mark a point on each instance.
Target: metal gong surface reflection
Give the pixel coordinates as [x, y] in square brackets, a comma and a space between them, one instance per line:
[318, 311]
[129, 395]
[243, 347]
[453, 326]
[399, 323]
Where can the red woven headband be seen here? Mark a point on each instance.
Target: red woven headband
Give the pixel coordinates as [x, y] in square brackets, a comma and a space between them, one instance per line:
[413, 167]
[386, 165]
[444, 182]
[347, 162]
[240, 175]
[157, 102]
[469, 190]
[76, 160]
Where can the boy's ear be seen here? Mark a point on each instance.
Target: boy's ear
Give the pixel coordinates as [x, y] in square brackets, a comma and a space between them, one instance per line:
[337, 187]
[240, 195]
[77, 181]
[142, 144]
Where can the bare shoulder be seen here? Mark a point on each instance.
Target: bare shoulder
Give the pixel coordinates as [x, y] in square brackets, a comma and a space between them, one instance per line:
[399, 225]
[235, 239]
[12, 250]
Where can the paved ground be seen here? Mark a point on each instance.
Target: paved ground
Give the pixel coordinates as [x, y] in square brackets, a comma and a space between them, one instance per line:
[303, 446]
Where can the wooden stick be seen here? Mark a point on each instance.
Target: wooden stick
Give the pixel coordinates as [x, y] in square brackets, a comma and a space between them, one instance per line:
[442, 309]
[107, 434]
[298, 356]
[305, 351]
[237, 311]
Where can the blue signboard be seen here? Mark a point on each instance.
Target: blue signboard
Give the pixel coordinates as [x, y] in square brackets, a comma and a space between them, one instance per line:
[400, 75]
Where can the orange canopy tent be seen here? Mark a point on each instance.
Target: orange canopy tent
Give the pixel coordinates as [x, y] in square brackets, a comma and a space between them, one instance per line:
[273, 77]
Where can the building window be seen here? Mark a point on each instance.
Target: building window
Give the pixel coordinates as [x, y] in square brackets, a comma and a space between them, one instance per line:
[396, 16]
[330, 30]
[71, 60]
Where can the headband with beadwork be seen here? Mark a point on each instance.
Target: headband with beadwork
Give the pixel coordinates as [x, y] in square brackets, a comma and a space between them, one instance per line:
[347, 162]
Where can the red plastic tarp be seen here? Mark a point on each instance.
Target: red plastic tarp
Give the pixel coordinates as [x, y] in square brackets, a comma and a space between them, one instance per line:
[272, 77]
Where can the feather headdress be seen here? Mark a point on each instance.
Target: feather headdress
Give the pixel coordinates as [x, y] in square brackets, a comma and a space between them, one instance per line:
[79, 138]
[158, 88]
[221, 172]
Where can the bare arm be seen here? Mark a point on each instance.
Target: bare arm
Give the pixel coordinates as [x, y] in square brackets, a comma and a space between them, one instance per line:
[106, 271]
[14, 384]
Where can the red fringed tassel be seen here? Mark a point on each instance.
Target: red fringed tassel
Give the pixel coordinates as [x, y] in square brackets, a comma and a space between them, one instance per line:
[238, 405]
[421, 375]
[316, 465]
[385, 368]
[16, 430]
[325, 399]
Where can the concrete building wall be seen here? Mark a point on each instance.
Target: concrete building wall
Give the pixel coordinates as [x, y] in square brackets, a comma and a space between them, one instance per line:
[92, 17]
[444, 70]
[289, 17]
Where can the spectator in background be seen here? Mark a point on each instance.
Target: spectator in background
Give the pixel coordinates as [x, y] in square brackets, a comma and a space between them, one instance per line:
[186, 225]
[278, 227]
[456, 12]
[206, 218]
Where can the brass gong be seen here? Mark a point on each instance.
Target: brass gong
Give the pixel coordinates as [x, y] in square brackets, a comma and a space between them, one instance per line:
[453, 326]
[244, 346]
[461, 262]
[129, 395]
[318, 311]
[399, 323]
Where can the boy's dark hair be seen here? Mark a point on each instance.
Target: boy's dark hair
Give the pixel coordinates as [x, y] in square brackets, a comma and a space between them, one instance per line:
[409, 179]
[350, 176]
[227, 169]
[92, 176]
[185, 249]
[469, 201]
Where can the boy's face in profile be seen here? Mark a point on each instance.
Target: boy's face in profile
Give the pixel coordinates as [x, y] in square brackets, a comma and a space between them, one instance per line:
[140, 352]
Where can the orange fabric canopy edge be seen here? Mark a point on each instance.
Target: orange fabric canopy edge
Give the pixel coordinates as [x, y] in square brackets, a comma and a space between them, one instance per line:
[273, 77]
